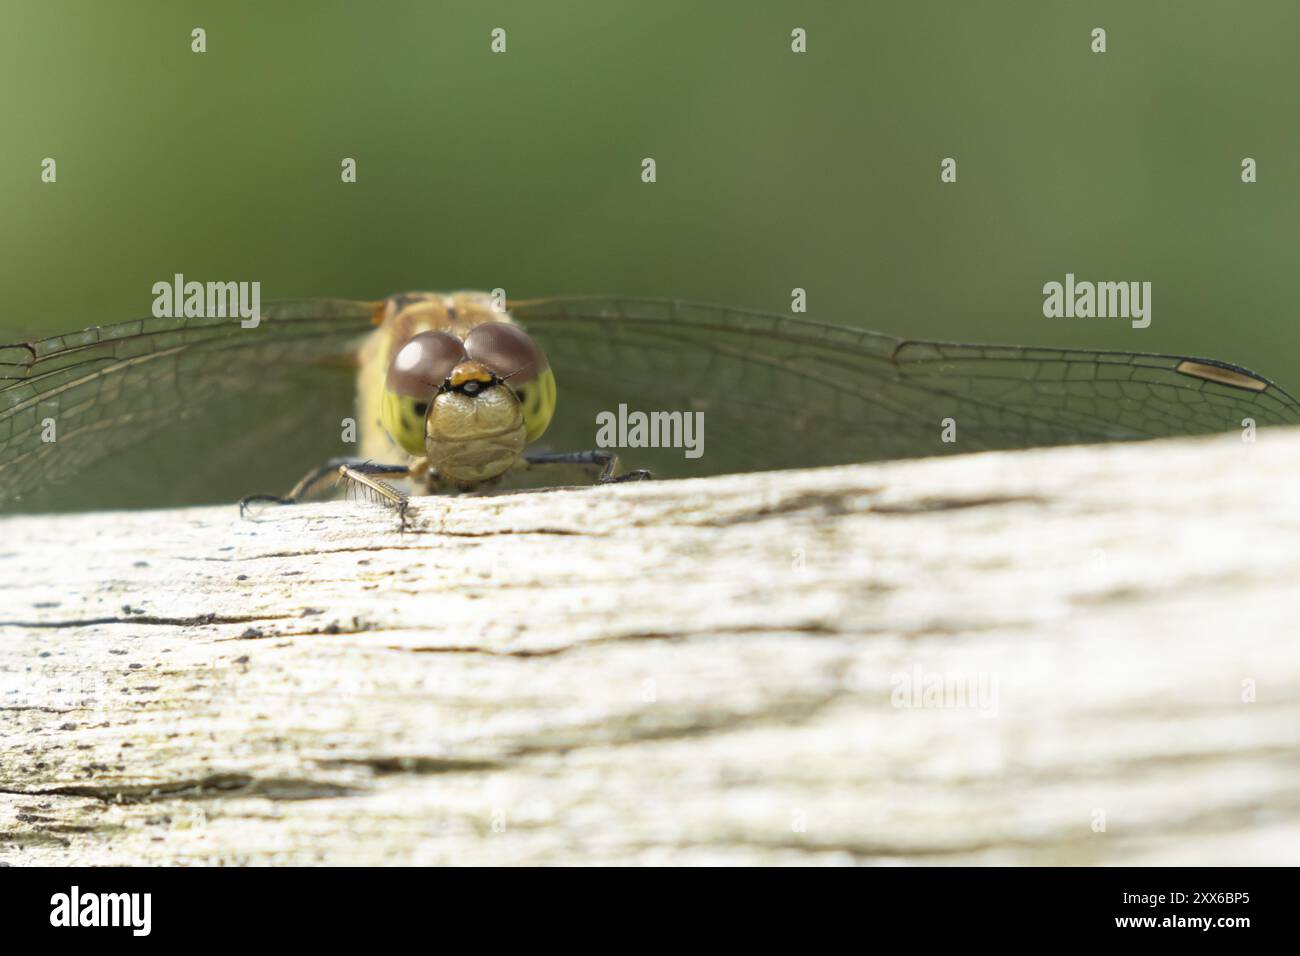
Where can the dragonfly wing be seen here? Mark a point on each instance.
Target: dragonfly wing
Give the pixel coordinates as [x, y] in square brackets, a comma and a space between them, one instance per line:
[144, 412]
[780, 392]
[1016, 397]
[163, 411]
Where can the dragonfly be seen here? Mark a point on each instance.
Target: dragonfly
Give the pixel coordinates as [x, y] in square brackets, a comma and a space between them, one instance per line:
[172, 411]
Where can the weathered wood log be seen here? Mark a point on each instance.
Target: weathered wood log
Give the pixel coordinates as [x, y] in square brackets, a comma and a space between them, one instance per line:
[1082, 655]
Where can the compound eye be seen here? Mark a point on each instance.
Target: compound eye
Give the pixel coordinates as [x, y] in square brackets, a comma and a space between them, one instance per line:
[418, 370]
[507, 350]
[422, 365]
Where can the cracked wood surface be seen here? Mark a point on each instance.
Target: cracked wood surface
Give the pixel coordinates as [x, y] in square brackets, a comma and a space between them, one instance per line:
[675, 672]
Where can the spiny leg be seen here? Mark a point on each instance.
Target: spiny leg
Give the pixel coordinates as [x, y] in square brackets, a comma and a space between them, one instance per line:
[602, 464]
[370, 476]
[361, 472]
[308, 483]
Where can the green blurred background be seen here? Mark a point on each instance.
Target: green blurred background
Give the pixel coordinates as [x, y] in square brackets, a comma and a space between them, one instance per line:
[775, 170]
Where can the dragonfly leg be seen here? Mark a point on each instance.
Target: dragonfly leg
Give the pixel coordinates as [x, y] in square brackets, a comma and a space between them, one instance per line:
[370, 476]
[360, 472]
[601, 464]
[310, 482]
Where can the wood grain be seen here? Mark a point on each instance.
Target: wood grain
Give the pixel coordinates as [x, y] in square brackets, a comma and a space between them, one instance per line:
[729, 670]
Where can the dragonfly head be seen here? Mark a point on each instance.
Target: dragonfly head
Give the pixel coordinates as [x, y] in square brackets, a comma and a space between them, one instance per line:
[469, 406]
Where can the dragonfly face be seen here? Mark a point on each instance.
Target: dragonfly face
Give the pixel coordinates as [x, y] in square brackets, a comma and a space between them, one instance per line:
[463, 387]
[172, 411]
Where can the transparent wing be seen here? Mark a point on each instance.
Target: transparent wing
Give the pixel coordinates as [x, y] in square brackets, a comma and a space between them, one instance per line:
[156, 411]
[778, 392]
